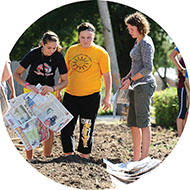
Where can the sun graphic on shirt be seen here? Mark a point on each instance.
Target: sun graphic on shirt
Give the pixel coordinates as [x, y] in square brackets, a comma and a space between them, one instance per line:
[81, 63]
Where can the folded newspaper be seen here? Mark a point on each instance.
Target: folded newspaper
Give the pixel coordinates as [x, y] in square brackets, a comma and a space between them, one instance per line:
[120, 97]
[130, 171]
[32, 115]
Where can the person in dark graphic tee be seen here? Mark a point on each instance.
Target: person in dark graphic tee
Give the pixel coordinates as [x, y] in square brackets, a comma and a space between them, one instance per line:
[43, 62]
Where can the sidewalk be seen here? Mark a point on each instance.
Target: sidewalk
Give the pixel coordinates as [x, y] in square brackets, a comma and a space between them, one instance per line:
[117, 118]
[109, 118]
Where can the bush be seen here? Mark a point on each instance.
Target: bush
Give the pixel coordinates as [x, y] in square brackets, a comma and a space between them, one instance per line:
[166, 107]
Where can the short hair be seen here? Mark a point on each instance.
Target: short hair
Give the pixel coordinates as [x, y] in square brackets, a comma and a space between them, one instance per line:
[139, 20]
[86, 26]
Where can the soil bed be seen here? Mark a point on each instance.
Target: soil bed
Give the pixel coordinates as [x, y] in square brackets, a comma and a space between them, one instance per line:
[112, 141]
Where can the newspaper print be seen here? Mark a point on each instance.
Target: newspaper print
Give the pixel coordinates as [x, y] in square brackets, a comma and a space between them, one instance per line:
[32, 133]
[49, 110]
[24, 122]
[131, 171]
[19, 113]
[32, 115]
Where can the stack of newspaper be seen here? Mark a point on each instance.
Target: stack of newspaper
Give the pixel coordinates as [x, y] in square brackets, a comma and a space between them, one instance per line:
[32, 115]
[120, 97]
[130, 171]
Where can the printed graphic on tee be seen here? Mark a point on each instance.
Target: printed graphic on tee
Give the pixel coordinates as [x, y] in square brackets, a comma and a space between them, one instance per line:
[44, 67]
[81, 63]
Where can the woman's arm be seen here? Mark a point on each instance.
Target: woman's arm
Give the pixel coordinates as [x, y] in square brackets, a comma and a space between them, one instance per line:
[63, 81]
[11, 86]
[6, 73]
[62, 84]
[173, 57]
[108, 83]
[18, 77]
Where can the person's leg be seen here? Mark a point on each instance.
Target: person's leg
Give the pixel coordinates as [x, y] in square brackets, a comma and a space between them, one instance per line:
[135, 131]
[136, 137]
[146, 140]
[142, 97]
[48, 144]
[182, 95]
[185, 120]
[89, 108]
[85, 141]
[67, 133]
[29, 154]
[180, 126]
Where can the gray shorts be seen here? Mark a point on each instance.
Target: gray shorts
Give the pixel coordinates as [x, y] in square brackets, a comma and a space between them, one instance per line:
[139, 107]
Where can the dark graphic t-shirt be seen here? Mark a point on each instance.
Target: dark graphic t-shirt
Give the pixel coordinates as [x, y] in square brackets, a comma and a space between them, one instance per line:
[42, 68]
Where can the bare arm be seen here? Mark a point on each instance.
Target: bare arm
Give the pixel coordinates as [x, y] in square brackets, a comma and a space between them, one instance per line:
[62, 84]
[126, 77]
[108, 83]
[63, 81]
[18, 77]
[6, 73]
[7, 76]
[173, 57]
[11, 86]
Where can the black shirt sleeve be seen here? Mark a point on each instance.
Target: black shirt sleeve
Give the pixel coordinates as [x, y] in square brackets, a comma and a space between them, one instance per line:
[61, 64]
[27, 60]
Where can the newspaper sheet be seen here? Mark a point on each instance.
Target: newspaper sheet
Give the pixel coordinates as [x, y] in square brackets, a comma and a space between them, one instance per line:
[27, 126]
[120, 97]
[32, 115]
[49, 110]
[131, 171]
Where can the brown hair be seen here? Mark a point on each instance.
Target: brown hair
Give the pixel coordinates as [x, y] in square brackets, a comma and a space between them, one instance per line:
[52, 37]
[139, 20]
[86, 26]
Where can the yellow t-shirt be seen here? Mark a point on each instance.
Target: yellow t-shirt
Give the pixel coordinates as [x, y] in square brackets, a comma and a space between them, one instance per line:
[85, 68]
[25, 90]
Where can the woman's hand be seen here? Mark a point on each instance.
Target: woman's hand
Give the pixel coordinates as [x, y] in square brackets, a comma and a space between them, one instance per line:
[32, 88]
[106, 104]
[46, 89]
[125, 84]
[123, 80]
[58, 95]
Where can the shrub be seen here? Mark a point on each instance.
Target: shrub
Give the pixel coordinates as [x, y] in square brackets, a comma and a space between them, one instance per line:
[166, 107]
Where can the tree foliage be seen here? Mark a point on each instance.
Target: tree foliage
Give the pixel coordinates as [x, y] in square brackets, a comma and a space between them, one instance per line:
[166, 107]
[64, 21]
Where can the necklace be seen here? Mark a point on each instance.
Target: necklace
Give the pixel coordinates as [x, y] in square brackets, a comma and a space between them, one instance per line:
[45, 64]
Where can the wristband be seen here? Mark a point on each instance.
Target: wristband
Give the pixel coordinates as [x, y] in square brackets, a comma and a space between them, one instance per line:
[26, 84]
[132, 81]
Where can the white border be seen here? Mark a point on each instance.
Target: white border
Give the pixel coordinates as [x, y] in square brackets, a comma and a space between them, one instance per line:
[16, 16]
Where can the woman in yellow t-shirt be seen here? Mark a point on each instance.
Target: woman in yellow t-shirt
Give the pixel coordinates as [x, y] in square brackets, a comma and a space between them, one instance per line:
[86, 63]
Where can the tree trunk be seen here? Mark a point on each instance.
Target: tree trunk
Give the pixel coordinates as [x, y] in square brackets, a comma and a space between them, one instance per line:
[109, 43]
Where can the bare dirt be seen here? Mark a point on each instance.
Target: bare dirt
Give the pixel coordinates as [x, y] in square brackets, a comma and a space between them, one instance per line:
[112, 141]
